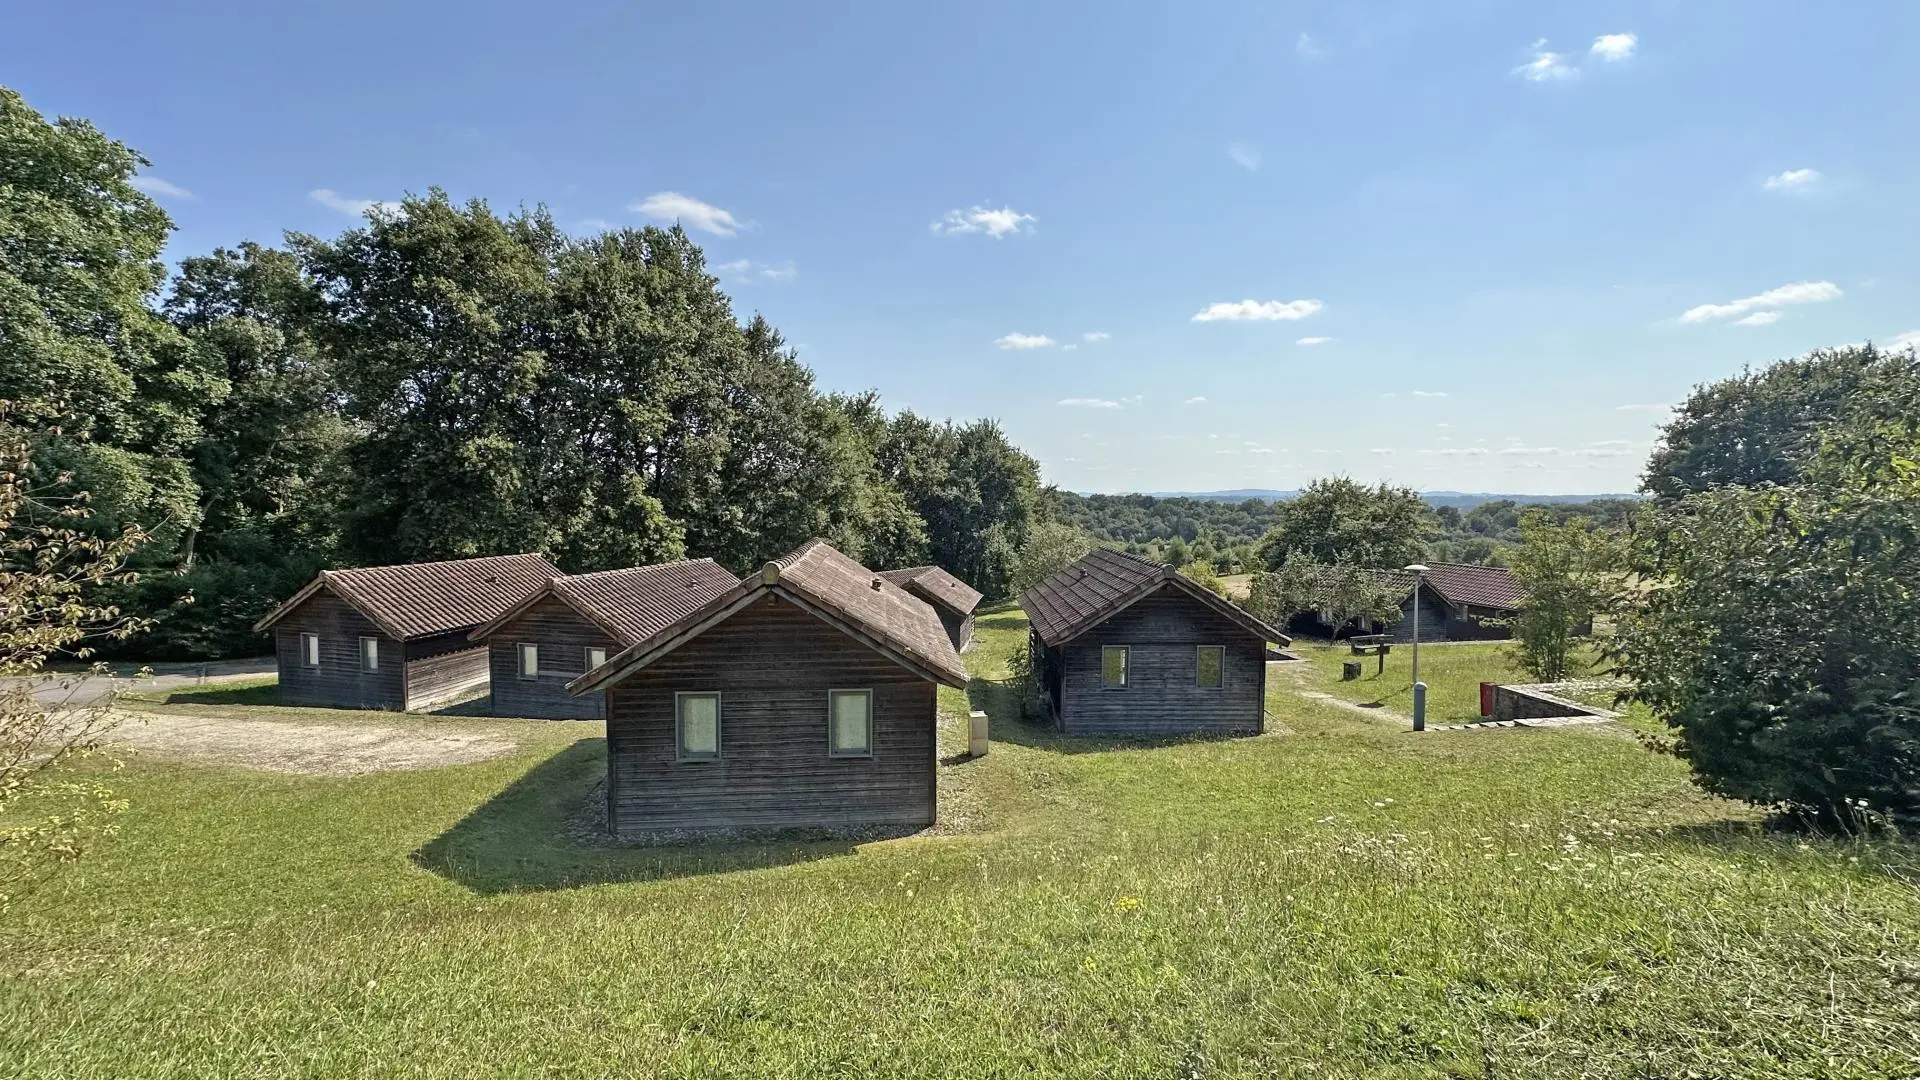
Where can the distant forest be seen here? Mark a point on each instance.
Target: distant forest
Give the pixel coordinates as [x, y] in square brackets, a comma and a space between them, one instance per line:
[1225, 533]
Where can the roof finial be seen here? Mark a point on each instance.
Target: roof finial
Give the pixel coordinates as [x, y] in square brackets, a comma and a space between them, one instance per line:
[770, 574]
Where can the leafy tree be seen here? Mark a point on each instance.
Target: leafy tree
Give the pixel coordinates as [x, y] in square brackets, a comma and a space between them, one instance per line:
[1050, 547]
[1566, 571]
[1202, 573]
[1339, 594]
[976, 492]
[1336, 520]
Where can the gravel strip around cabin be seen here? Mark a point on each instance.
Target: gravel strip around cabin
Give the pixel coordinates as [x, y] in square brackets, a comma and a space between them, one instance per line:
[315, 749]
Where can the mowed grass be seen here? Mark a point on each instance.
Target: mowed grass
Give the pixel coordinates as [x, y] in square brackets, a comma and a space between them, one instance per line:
[1347, 899]
[1452, 670]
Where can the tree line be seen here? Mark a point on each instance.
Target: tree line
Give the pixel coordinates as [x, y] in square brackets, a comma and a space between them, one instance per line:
[441, 381]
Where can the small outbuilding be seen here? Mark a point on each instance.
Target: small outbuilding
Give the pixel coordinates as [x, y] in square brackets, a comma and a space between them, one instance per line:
[952, 599]
[1130, 648]
[1458, 602]
[395, 637]
[572, 624]
[804, 696]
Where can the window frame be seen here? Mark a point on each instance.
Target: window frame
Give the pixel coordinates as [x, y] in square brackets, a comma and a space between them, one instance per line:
[1222, 684]
[680, 754]
[586, 657]
[522, 670]
[1126, 667]
[369, 653]
[836, 752]
[309, 650]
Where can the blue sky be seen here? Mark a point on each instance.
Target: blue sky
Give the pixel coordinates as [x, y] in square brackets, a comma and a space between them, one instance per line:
[1170, 246]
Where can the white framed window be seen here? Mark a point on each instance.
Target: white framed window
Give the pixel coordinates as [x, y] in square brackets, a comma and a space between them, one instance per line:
[369, 654]
[1210, 667]
[1113, 666]
[310, 650]
[595, 656]
[696, 726]
[849, 723]
[529, 659]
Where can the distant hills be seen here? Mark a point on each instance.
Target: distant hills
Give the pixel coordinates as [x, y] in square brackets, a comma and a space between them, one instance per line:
[1462, 500]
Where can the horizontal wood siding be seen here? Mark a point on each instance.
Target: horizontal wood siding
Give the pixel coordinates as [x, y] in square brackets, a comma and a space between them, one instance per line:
[563, 637]
[1162, 633]
[772, 665]
[338, 682]
[443, 668]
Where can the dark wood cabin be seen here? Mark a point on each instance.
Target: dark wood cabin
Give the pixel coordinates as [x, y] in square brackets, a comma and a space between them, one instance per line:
[952, 599]
[805, 696]
[1458, 602]
[572, 624]
[1128, 648]
[395, 637]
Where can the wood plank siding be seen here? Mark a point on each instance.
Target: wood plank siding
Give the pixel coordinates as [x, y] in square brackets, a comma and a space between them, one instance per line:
[772, 664]
[1162, 633]
[444, 668]
[338, 682]
[563, 638]
[958, 625]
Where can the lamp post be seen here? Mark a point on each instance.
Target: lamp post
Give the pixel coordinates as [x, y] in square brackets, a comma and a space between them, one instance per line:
[1419, 688]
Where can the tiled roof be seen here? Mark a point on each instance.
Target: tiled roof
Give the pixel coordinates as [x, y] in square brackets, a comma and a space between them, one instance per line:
[1104, 583]
[1480, 586]
[815, 574]
[413, 600]
[935, 585]
[638, 602]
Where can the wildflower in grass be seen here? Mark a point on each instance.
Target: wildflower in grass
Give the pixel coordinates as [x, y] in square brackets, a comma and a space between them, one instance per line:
[1126, 903]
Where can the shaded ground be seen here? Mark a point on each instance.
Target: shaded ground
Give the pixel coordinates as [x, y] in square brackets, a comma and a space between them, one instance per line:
[315, 748]
[80, 688]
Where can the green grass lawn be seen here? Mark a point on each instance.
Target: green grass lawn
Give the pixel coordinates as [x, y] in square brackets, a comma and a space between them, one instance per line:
[1344, 900]
[1453, 672]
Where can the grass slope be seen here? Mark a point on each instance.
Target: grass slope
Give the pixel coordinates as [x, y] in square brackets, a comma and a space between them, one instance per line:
[1344, 900]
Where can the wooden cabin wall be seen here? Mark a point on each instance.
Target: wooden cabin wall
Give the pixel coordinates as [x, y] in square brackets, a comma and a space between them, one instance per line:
[563, 637]
[1162, 699]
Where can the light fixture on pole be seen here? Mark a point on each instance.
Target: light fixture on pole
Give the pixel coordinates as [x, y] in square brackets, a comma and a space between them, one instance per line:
[1419, 688]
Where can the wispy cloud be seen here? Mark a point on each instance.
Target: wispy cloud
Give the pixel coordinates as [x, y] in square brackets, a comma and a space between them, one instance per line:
[1257, 310]
[1614, 47]
[1545, 66]
[1759, 318]
[1244, 156]
[981, 219]
[1089, 403]
[1458, 451]
[1312, 340]
[1908, 340]
[333, 200]
[153, 185]
[1023, 341]
[1095, 335]
[1200, 400]
[1305, 47]
[594, 224]
[1792, 180]
[1800, 292]
[688, 211]
[1429, 393]
[1381, 450]
[742, 271]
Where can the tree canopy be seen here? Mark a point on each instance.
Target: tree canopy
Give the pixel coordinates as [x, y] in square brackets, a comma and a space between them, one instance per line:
[1337, 520]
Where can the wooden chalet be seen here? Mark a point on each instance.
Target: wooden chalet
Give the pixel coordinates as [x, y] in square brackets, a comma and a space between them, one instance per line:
[395, 637]
[804, 696]
[1458, 602]
[952, 599]
[1127, 647]
[570, 625]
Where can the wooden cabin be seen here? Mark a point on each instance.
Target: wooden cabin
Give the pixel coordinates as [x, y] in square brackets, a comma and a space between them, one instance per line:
[395, 637]
[571, 624]
[1458, 602]
[952, 599]
[804, 696]
[1129, 648]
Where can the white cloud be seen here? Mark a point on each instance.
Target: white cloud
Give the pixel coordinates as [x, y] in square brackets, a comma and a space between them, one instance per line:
[153, 185]
[1602, 451]
[1068, 348]
[1305, 46]
[1196, 400]
[1023, 341]
[594, 224]
[743, 271]
[1612, 47]
[1800, 292]
[980, 219]
[688, 211]
[1429, 393]
[1545, 66]
[1908, 340]
[1095, 335]
[1792, 180]
[1089, 403]
[1381, 450]
[1312, 340]
[1529, 451]
[1458, 451]
[1244, 156]
[1759, 318]
[1257, 310]
[333, 200]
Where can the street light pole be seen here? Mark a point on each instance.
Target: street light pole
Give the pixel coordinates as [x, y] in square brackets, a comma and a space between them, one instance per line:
[1419, 688]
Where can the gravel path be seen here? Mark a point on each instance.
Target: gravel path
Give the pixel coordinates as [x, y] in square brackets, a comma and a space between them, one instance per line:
[290, 747]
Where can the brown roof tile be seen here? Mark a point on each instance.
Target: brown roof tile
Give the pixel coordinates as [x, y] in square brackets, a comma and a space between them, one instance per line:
[935, 585]
[638, 602]
[1103, 584]
[413, 600]
[1480, 586]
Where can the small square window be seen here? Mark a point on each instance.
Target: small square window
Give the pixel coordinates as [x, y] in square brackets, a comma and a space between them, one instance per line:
[310, 650]
[369, 654]
[529, 660]
[697, 726]
[595, 657]
[850, 723]
[1113, 667]
[1210, 667]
